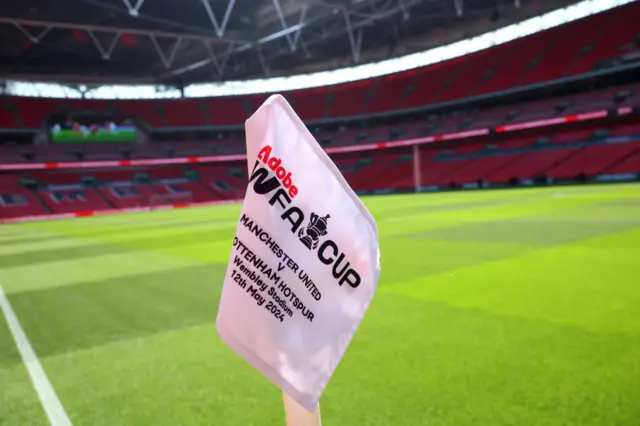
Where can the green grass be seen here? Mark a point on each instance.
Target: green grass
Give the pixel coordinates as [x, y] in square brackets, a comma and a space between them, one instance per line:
[494, 308]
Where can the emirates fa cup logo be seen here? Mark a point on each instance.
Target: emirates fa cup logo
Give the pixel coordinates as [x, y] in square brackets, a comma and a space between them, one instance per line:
[317, 228]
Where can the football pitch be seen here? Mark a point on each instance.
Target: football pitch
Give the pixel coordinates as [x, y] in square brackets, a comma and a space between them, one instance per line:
[506, 307]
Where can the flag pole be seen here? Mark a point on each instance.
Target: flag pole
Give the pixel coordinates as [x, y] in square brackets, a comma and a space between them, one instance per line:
[295, 415]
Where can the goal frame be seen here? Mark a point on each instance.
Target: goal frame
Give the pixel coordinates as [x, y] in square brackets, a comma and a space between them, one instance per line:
[160, 201]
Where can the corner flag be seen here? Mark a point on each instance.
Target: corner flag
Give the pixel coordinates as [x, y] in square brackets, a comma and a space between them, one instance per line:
[305, 260]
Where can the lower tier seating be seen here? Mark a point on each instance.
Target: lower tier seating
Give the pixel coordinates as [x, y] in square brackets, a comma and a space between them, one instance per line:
[579, 154]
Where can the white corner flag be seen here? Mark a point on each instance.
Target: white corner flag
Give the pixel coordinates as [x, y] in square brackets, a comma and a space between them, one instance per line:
[304, 265]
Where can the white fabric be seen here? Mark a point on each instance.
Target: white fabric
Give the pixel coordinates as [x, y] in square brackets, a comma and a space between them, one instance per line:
[293, 181]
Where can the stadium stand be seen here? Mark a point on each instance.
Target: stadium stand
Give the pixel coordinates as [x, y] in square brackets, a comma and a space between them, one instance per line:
[573, 137]
[502, 159]
[601, 100]
[18, 201]
[72, 198]
[126, 194]
[549, 55]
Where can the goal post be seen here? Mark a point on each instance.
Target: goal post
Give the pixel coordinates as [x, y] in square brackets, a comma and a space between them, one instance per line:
[417, 179]
[157, 201]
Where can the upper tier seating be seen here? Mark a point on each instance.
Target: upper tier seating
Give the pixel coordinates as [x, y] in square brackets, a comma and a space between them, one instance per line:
[606, 99]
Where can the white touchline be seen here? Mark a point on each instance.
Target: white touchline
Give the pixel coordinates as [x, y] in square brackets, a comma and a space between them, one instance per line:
[48, 397]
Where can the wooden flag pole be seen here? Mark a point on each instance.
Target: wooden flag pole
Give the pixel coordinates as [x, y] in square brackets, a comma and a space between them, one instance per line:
[295, 415]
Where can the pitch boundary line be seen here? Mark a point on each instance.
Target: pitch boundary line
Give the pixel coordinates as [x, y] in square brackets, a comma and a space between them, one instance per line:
[47, 395]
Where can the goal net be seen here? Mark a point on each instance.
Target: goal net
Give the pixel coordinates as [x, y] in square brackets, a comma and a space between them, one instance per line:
[159, 200]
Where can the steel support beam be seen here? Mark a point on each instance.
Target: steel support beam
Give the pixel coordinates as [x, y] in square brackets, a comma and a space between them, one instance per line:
[133, 10]
[33, 38]
[355, 38]
[263, 62]
[283, 22]
[237, 49]
[112, 30]
[391, 7]
[296, 37]
[303, 46]
[166, 61]
[106, 53]
[154, 20]
[302, 25]
[221, 27]
[292, 38]
[340, 29]
[459, 6]
[405, 11]
[220, 65]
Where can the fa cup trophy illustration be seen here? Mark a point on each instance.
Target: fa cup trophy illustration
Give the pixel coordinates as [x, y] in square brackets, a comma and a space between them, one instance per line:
[317, 228]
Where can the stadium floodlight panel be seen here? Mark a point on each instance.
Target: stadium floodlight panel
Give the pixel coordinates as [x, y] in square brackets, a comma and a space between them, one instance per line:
[326, 78]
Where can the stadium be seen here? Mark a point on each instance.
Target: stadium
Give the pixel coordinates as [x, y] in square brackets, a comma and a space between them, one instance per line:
[495, 142]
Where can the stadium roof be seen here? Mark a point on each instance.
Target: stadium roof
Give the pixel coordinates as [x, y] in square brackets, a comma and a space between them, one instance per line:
[181, 42]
